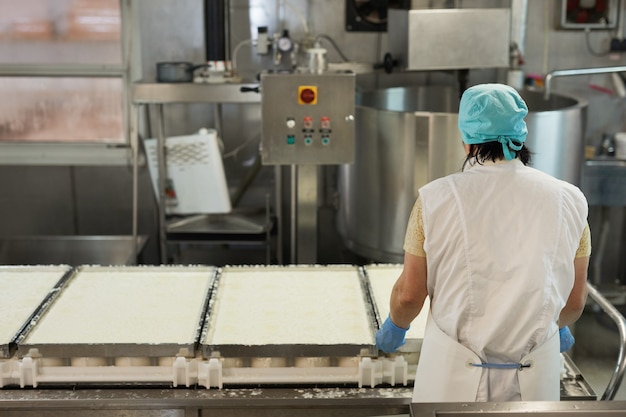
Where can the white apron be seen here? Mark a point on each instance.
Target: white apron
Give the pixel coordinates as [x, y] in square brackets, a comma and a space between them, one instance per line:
[500, 244]
[445, 374]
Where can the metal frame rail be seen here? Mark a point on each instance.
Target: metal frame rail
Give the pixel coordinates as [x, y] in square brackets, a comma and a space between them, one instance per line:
[618, 318]
[547, 82]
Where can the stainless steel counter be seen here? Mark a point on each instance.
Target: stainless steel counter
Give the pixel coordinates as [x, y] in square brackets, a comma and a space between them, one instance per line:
[345, 402]
[275, 402]
[604, 181]
[69, 250]
[164, 93]
[537, 409]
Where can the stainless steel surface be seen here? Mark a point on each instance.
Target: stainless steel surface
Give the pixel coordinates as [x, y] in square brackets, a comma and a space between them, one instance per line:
[556, 129]
[406, 138]
[409, 136]
[275, 402]
[149, 349]
[106, 352]
[574, 386]
[232, 223]
[618, 318]
[536, 409]
[547, 82]
[70, 250]
[161, 181]
[162, 93]
[306, 214]
[287, 138]
[293, 219]
[604, 182]
[421, 39]
[286, 350]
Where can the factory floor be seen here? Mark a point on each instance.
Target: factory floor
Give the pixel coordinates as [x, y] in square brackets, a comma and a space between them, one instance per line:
[596, 350]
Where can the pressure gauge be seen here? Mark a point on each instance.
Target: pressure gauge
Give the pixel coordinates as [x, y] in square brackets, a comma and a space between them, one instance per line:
[284, 43]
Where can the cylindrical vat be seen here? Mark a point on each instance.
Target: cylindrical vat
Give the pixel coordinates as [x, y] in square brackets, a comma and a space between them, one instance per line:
[556, 134]
[408, 136]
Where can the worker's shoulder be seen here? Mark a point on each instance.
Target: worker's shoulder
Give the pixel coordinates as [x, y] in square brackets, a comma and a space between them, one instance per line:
[550, 179]
[570, 191]
[439, 183]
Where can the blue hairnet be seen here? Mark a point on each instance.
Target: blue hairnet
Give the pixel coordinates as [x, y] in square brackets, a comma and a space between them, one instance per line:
[493, 113]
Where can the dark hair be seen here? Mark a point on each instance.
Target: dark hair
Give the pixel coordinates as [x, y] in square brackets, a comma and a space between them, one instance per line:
[493, 151]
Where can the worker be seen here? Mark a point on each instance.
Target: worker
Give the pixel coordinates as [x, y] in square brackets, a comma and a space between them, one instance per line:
[501, 250]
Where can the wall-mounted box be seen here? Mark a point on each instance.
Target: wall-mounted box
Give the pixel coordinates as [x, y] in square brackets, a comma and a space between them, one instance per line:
[439, 39]
[589, 14]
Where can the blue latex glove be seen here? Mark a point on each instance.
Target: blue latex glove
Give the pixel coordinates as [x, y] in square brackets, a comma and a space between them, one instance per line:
[390, 337]
[567, 339]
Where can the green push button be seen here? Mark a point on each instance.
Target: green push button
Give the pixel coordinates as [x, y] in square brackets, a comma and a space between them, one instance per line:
[291, 139]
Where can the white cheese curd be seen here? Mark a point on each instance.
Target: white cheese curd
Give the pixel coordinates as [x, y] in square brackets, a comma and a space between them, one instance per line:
[21, 292]
[265, 307]
[140, 306]
[381, 280]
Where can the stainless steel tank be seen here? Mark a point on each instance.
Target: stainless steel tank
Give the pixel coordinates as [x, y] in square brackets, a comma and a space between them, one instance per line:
[556, 134]
[408, 136]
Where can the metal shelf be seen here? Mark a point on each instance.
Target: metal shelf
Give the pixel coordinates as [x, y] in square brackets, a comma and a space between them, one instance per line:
[159, 94]
[169, 93]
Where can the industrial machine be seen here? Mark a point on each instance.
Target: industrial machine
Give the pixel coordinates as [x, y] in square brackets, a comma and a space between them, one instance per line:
[200, 337]
[308, 121]
[408, 136]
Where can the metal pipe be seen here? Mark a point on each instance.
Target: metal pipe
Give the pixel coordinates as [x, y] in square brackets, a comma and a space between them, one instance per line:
[620, 367]
[519, 17]
[278, 197]
[601, 247]
[215, 30]
[134, 146]
[294, 212]
[619, 31]
[547, 82]
[162, 181]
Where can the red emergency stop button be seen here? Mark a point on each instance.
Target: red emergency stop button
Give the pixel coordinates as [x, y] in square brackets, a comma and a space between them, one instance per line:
[307, 94]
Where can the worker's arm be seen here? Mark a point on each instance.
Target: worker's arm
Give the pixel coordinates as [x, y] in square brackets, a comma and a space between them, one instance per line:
[578, 297]
[407, 299]
[409, 291]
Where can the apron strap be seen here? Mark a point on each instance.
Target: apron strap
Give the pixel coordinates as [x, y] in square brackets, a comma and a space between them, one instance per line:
[518, 366]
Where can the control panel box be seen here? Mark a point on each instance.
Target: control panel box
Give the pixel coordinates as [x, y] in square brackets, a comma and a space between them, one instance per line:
[308, 119]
